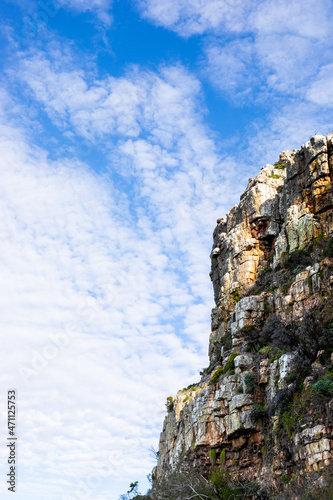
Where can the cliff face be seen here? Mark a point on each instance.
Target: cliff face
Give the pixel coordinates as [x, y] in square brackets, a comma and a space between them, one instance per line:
[263, 407]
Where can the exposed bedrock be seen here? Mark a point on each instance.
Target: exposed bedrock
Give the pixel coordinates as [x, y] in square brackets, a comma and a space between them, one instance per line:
[264, 405]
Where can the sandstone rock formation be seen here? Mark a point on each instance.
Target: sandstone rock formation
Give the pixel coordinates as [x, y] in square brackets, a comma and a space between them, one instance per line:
[264, 404]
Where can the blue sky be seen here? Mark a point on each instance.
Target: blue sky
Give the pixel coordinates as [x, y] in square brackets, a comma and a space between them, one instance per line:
[127, 128]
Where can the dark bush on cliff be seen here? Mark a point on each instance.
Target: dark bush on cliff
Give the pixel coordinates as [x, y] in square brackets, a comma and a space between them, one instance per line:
[305, 336]
[299, 259]
[275, 333]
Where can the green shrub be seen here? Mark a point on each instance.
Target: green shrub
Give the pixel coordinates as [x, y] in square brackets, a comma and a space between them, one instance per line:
[275, 357]
[253, 347]
[280, 166]
[240, 390]
[326, 355]
[249, 382]
[323, 387]
[299, 259]
[284, 257]
[319, 241]
[248, 328]
[288, 422]
[230, 364]
[212, 456]
[223, 485]
[266, 270]
[228, 367]
[285, 478]
[227, 341]
[216, 376]
[225, 488]
[328, 250]
[305, 335]
[275, 334]
[285, 287]
[257, 412]
[265, 350]
[326, 338]
[192, 387]
[274, 176]
[235, 296]
[169, 404]
[309, 282]
[328, 186]
[222, 458]
[291, 377]
[267, 308]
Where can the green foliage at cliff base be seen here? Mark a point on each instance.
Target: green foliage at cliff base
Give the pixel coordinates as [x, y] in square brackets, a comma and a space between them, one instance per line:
[196, 483]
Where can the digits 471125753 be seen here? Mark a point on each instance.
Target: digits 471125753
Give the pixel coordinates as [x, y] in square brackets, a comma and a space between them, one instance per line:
[11, 413]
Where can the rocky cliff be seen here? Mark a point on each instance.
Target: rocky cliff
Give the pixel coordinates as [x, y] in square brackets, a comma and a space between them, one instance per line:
[263, 408]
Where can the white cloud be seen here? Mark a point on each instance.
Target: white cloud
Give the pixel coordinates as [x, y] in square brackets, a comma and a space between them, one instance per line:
[281, 47]
[308, 19]
[110, 107]
[191, 17]
[101, 8]
[229, 67]
[43, 11]
[321, 90]
[123, 106]
[288, 61]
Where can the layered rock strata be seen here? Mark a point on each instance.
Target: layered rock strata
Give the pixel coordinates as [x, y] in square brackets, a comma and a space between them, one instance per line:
[272, 266]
